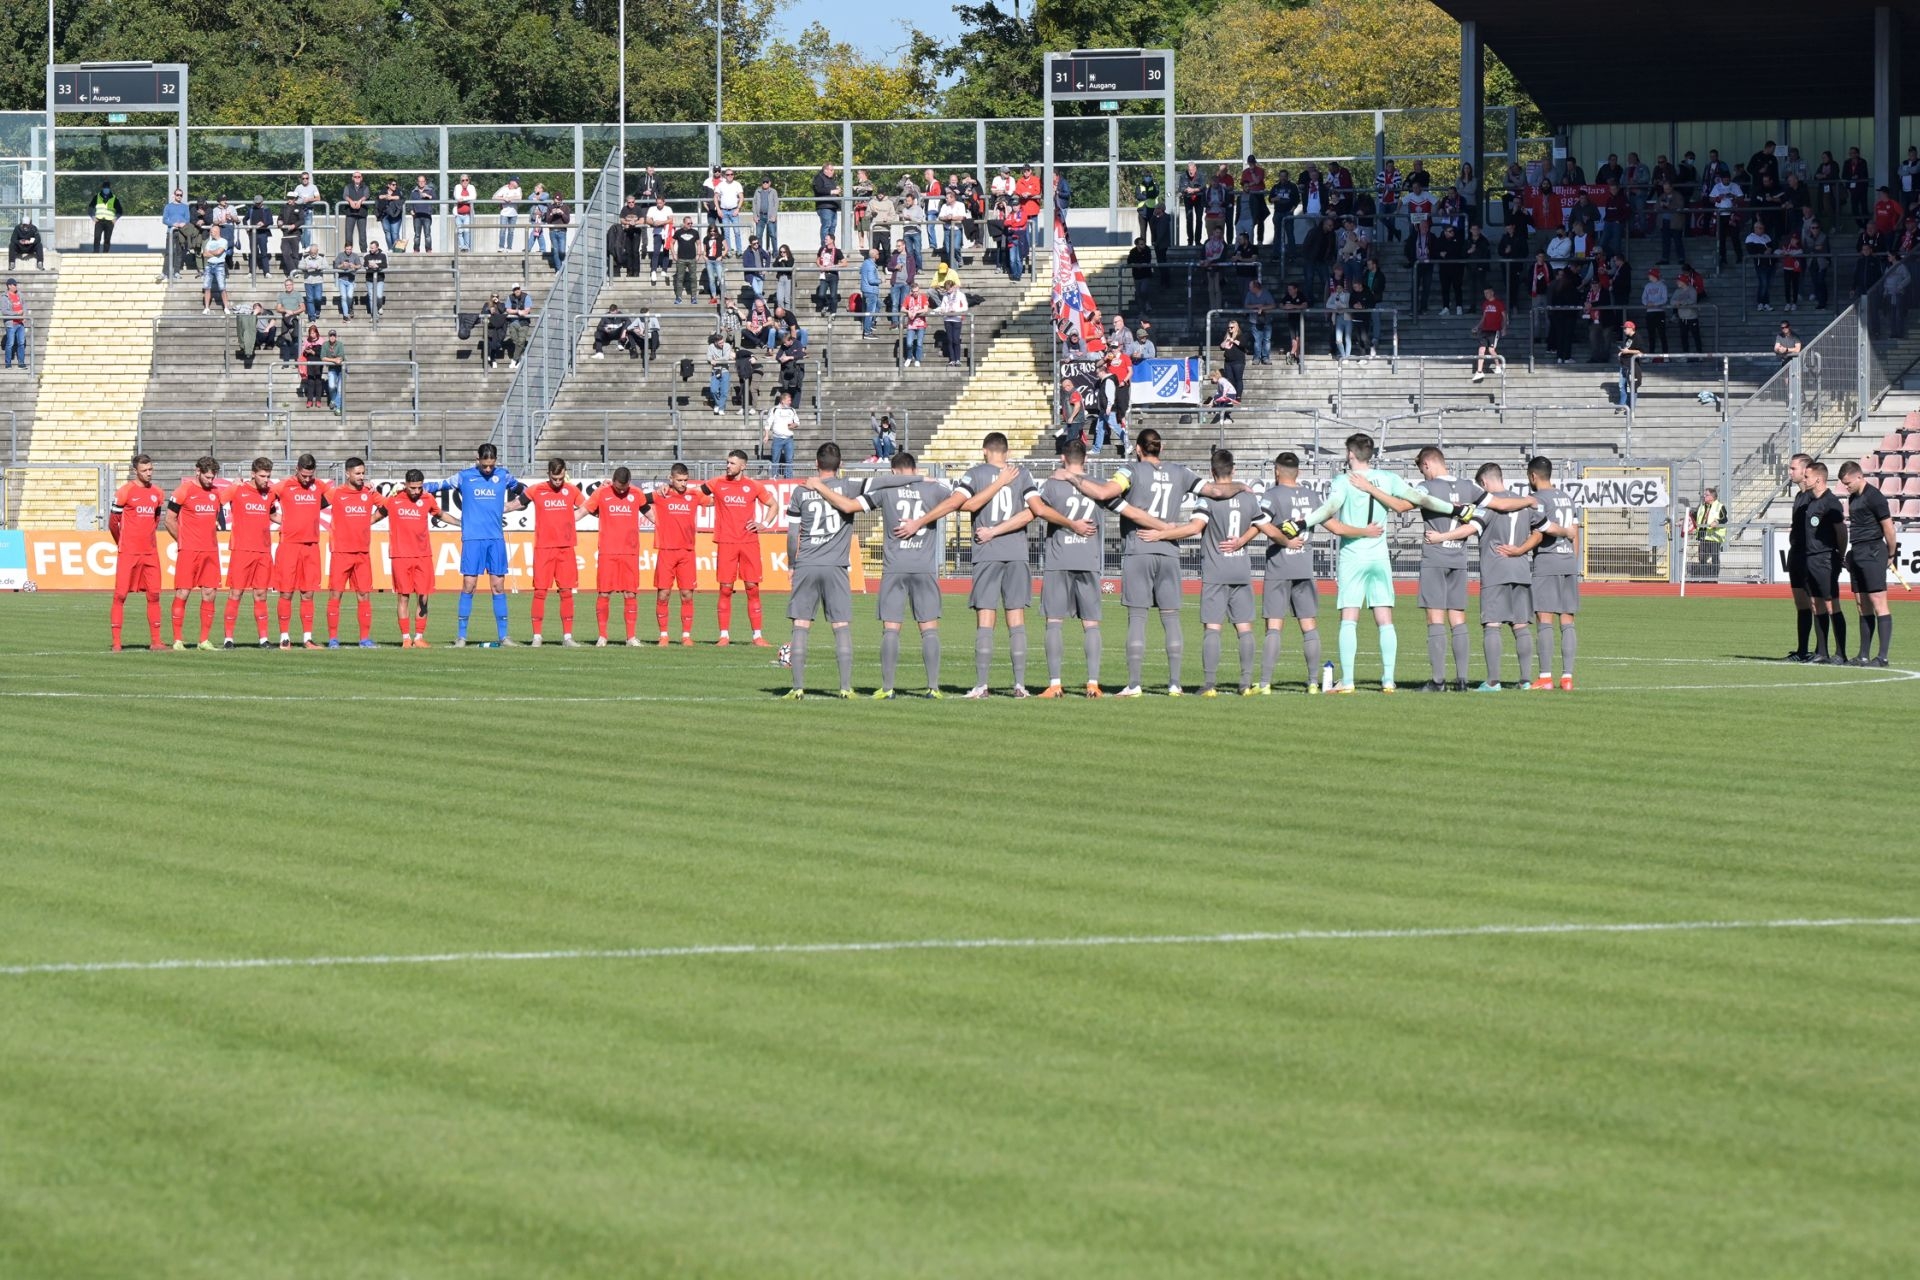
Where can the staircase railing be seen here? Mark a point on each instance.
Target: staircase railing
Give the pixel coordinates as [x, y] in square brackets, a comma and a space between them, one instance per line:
[553, 343]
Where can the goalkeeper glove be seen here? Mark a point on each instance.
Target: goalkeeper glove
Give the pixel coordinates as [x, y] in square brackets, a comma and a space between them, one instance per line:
[1293, 529]
[1465, 513]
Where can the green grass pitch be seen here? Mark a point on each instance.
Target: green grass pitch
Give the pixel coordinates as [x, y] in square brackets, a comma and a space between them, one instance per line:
[1738, 1102]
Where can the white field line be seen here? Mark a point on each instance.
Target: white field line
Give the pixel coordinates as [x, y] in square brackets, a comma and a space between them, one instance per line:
[952, 944]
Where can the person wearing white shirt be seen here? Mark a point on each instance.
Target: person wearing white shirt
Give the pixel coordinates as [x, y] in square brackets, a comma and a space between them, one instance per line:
[727, 194]
[307, 196]
[953, 221]
[463, 198]
[509, 197]
[953, 314]
[213, 271]
[1724, 194]
[776, 437]
[660, 226]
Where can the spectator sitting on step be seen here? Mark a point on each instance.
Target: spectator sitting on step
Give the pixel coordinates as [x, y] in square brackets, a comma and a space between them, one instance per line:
[313, 273]
[1142, 348]
[611, 331]
[25, 243]
[1226, 397]
[756, 330]
[262, 333]
[884, 443]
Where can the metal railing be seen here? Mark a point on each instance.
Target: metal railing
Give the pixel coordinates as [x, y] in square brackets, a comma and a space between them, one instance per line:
[16, 475]
[552, 345]
[228, 433]
[613, 424]
[1540, 317]
[1296, 319]
[1344, 373]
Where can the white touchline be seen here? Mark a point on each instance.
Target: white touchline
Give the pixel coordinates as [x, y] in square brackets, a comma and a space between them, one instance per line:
[952, 944]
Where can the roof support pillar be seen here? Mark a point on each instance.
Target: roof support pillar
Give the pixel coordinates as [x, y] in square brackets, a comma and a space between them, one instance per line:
[1884, 164]
[1473, 108]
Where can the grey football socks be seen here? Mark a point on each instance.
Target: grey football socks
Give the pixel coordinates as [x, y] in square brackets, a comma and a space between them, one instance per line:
[1210, 656]
[1523, 649]
[843, 654]
[930, 655]
[1490, 650]
[1246, 658]
[797, 655]
[1055, 646]
[889, 655]
[982, 653]
[1017, 652]
[1176, 645]
[1310, 648]
[1462, 651]
[1090, 643]
[1437, 650]
[1569, 645]
[1270, 655]
[1136, 643]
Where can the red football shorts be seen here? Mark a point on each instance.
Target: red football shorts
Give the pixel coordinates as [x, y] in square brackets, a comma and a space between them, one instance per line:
[740, 562]
[296, 567]
[350, 571]
[250, 571]
[201, 569]
[137, 575]
[555, 567]
[617, 572]
[413, 576]
[674, 568]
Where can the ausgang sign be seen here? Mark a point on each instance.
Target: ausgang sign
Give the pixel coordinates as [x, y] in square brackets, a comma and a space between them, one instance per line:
[148, 87]
[1116, 73]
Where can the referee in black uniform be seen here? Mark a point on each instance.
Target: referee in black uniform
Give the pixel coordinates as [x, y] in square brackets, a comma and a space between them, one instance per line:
[1871, 542]
[1826, 550]
[1797, 555]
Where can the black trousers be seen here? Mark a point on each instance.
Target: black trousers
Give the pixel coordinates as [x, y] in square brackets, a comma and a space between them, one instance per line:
[356, 231]
[102, 235]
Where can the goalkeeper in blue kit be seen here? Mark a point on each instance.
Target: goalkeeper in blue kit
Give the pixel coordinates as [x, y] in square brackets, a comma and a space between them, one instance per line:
[1364, 574]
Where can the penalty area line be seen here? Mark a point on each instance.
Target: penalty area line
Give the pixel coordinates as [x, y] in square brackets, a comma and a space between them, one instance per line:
[1091, 942]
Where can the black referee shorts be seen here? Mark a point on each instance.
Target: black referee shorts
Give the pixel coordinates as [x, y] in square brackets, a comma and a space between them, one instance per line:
[1867, 567]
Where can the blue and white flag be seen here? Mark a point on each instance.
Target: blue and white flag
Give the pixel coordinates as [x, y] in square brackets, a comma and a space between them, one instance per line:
[1166, 381]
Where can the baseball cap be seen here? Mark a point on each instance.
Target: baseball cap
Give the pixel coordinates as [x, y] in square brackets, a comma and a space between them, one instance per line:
[1629, 326]
[11, 282]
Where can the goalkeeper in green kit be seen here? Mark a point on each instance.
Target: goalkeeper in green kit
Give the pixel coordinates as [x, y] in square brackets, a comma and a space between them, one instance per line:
[1353, 510]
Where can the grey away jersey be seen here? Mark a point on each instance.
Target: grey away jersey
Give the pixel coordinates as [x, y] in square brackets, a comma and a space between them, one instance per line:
[1506, 529]
[899, 498]
[1281, 503]
[1157, 488]
[1447, 555]
[1000, 509]
[821, 535]
[1227, 519]
[1066, 549]
[1555, 557]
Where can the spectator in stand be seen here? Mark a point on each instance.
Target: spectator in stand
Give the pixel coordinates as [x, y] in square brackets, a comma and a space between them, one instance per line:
[1493, 325]
[376, 269]
[1246, 263]
[333, 363]
[1727, 196]
[1629, 357]
[1563, 302]
[1339, 306]
[176, 216]
[878, 220]
[559, 220]
[657, 219]
[953, 317]
[686, 258]
[508, 196]
[391, 209]
[870, 283]
[13, 314]
[766, 215]
[464, 194]
[1887, 215]
[1420, 258]
[728, 195]
[753, 267]
[900, 277]
[1479, 255]
[1855, 180]
[346, 268]
[306, 196]
[1451, 255]
[1365, 317]
[1253, 200]
[611, 331]
[776, 437]
[1140, 267]
[1318, 253]
[885, 443]
[1896, 288]
[313, 274]
[1686, 313]
[1759, 247]
[259, 333]
[1786, 343]
[826, 201]
[783, 278]
[537, 206]
[25, 242]
[1764, 164]
[1374, 282]
[826, 294]
[1213, 260]
[719, 371]
[313, 376]
[953, 222]
[1608, 172]
[1560, 248]
[1654, 296]
[1191, 188]
[1511, 254]
[1814, 245]
[1293, 307]
[792, 357]
[356, 202]
[1016, 226]
[258, 226]
[289, 310]
[1793, 261]
[914, 307]
[1671, 211]
[422, 204]
[1260, 304]
[1217, 203]
[1027, 187]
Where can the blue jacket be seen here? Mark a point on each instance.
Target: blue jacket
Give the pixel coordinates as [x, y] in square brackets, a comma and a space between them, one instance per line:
[869, 276]
[175, 214]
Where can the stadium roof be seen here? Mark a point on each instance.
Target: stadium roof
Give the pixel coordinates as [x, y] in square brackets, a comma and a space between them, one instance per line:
[1662, 60]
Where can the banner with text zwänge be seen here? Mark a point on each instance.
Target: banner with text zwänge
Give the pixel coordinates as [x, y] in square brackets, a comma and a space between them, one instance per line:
[76, 560]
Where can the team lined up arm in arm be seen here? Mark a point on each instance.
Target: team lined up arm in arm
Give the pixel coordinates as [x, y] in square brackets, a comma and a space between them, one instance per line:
[958, 500]
[1044, 510]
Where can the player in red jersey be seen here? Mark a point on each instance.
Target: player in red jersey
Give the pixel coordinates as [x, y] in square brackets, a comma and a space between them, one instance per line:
[192, 520]
[737, 499]
[350, 567]
[556, 541]
[673, 509]
[617, 506]
[411, 512]
[250, 507]
[135, 515]
[296, 565]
